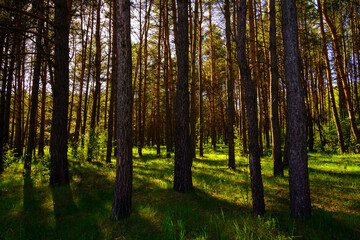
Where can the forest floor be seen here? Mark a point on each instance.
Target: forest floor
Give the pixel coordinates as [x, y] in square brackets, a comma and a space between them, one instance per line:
[218, 208]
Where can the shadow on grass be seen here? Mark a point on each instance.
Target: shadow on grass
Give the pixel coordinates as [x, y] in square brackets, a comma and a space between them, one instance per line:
[340, 175]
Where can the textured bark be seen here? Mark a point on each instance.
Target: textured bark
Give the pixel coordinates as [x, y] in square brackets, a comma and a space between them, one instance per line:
[193, 117]
[34, 97]
[201, 87]
[251, 110]
[183, 161]
[300, 204]
[167, 70]
[124, 166]
[274, 94]
[230, 87]
[59, 172]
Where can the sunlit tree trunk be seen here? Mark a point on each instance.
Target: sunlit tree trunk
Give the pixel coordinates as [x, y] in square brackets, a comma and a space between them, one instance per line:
[340, 68]
[329, 80]
[124, 165]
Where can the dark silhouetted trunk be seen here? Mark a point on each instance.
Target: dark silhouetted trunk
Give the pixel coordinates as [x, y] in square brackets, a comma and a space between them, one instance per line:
[124, 165]
[230, 87]
[300, 204]
[201, 87]
[183, 161]
[59, 171]
[34, 96]
[274, 94]
[251, 110]
[110, 126]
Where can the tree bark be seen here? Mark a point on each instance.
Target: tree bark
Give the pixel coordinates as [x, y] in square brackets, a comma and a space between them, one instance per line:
[201, 87]
[59, 171]
[300, 204]
[124, 165]
[230, 87]
[110, 126]
[193, 35]
[183, 161]
[251, 109]
[274, 94]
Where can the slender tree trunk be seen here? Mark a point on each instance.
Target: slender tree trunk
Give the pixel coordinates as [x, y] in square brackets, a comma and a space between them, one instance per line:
[96, 98]
[329, 80]
[84, 43]
[18, 106]
[113, 89]
[183, 161]
[340, 68]
[251, 109]
[59, 171]
[142, 93]
[166, 79]
[88, 80]
[274, 94]
[300, 204]
[193, 116]
[158, 140]
[124, 165]
[34, 95]
[3, 105]
[230, 87]
[43, 111]
[201, 87]
[212, 70]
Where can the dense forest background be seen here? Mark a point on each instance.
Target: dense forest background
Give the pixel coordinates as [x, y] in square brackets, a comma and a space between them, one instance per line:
[197, 75]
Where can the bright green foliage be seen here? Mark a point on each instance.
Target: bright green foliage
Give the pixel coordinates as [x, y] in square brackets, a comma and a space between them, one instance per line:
[219, 208]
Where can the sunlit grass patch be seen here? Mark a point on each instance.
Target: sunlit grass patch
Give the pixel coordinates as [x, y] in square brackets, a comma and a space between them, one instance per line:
[218, 208]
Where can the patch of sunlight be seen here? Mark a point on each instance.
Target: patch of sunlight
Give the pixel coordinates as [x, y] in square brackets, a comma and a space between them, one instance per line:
[161, 183]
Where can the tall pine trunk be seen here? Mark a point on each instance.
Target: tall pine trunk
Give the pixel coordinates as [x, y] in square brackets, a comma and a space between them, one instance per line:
[274, 94]
[300, 204]
[124, 165]
[183, 161]
[59, 171]
[230, 87]
[251, 110]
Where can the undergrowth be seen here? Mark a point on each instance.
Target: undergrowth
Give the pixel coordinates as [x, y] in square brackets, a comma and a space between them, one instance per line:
[218, 208]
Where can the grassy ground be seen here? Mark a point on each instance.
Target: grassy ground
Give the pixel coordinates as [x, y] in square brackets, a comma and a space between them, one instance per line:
[219, 208]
